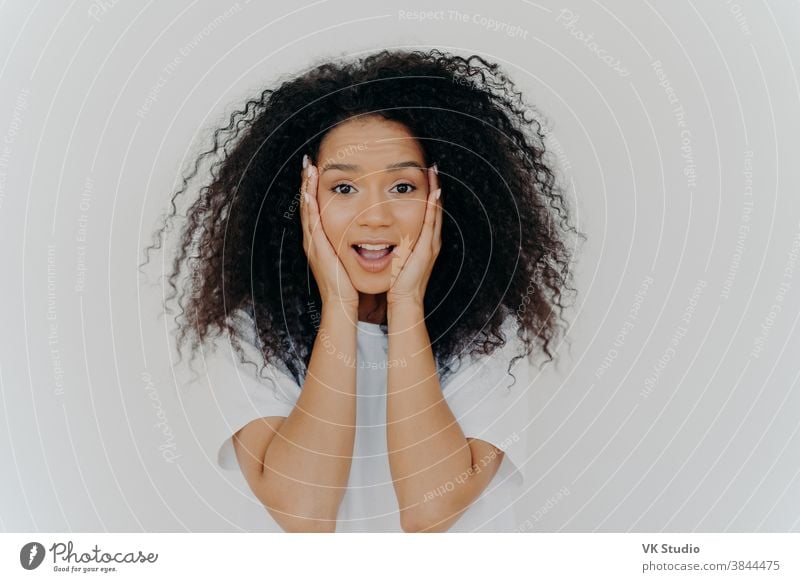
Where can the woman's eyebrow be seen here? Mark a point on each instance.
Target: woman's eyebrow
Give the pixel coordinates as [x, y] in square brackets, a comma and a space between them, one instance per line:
[354, 167]
[408, 164]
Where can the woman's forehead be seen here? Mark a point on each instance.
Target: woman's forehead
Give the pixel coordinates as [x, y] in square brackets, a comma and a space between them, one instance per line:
[369, 135]
[370, 152]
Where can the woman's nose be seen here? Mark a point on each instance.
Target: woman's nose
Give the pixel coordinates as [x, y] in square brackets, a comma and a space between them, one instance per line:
[375, 209]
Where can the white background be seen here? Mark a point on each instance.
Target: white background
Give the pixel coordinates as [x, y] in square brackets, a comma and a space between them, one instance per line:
[712, 445]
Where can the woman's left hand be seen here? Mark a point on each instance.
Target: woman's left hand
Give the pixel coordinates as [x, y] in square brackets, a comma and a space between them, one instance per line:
[411, 270]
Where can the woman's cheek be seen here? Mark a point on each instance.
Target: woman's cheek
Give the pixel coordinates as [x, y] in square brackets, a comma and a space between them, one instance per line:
[335, 227]
[411, 215]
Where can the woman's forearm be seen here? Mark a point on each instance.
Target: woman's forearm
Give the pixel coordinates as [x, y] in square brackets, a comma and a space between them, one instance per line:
[307, 464]
[426, 445]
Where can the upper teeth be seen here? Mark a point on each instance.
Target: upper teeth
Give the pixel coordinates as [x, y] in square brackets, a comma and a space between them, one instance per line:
[370, 247]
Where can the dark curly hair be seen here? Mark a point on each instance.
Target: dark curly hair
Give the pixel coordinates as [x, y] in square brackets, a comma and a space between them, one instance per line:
[504, 228]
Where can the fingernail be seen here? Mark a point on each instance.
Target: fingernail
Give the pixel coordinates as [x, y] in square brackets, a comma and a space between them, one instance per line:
[305, 161]
[435, 169]
[437, 194]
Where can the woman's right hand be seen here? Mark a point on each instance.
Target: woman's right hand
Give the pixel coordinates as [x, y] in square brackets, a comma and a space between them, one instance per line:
[332, 279]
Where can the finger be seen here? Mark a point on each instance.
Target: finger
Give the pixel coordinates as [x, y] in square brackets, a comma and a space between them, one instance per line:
[307, 227]
[433, 178]
[437, 229]
[430, 215]
[433, 185]
[426, 236]
[303, 222]
[321, 242]
[402, 254]
[312, 194]
[313, 181]
[309, 211]
[304, 186]
[304, 214]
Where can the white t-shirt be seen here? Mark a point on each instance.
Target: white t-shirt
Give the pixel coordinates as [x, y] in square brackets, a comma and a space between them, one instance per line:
[477, 394]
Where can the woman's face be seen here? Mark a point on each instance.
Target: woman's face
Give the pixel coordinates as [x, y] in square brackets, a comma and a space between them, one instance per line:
[373, 185]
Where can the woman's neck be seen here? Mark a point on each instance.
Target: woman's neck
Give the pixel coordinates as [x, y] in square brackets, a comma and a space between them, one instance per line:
[372, 308]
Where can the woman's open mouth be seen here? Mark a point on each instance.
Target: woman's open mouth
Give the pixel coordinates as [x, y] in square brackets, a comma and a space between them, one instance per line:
[373, 257]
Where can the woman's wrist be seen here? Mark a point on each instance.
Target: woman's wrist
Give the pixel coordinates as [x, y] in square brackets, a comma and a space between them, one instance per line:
[406, 310]
[405, 303]
[339, 306]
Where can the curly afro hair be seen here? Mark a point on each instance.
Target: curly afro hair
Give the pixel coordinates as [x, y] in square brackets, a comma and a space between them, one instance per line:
[503, 237]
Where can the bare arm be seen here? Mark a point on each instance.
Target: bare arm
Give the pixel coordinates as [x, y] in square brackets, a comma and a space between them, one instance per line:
[299, 466]
[437, 472]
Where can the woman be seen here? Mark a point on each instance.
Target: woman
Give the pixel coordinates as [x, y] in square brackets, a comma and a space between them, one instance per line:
[384, 239]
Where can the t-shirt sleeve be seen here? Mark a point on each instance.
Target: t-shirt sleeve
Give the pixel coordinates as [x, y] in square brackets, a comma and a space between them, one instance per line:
[242, 392]
[479, 396]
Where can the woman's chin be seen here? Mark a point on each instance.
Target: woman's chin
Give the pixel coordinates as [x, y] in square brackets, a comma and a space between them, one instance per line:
[372, 287]
[370, 283]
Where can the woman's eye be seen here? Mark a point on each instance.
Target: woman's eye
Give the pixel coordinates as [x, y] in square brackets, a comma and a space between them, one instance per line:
[405, 188]
[341, 186]
[410, 187]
